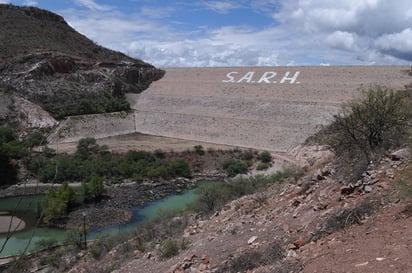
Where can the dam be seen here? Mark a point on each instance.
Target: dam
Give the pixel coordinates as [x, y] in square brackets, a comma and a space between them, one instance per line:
[270, 108]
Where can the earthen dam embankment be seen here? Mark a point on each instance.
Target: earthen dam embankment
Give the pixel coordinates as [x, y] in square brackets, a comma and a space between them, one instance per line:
[271, 108]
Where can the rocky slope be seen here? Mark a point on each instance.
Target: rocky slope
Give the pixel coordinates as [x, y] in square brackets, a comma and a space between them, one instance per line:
[45, 61]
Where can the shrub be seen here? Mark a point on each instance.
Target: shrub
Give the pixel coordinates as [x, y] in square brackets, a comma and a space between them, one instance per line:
[159, 153]
[46, 243]
[265, 157]
[255, 258]
[247, 155]
[234, 167]
[74, 237]
[169, 249]
[346, 217]
[262, 166]
[380, 119]
[86, 147]
[199, 150]
[34, 139]
[214, 195]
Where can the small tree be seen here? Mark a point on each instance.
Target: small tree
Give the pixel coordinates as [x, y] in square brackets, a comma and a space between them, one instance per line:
[86, 147]
[265, 157]
[57, 203]
[92, 189]
[379, 120]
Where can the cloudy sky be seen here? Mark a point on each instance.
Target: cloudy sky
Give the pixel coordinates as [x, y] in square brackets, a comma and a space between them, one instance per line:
[170, 33]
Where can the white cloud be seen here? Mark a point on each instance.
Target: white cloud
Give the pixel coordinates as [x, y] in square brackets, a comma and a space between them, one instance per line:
[397, 44]
[92, 5]
[303, 32]
[342, 40]
[401, 41]
[221, 6]
[158, 12]
[364, 27]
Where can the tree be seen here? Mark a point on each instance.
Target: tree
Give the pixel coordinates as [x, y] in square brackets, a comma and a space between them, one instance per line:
[10, 148]
[379, 120]
[86, 147]
[57, 203]
[93, 189]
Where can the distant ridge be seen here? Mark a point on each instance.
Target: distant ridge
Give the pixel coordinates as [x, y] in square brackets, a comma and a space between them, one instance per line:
[26, 30]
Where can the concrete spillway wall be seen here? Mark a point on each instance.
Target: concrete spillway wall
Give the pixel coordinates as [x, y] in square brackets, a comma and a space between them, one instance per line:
[273, 108]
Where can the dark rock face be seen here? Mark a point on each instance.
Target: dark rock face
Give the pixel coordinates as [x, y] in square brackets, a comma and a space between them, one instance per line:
[47, 62]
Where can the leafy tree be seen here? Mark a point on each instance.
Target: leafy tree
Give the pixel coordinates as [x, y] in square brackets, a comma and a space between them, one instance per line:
[10, 148]
[34, 139]
[93, 189]
[234, 167]
[265, 157]
[57, 203]
[86, 147]
[379, 120]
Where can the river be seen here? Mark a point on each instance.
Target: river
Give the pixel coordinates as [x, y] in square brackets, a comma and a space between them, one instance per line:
[26, 206]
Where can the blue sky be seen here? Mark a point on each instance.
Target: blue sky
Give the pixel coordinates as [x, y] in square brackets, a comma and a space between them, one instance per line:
[245, 33]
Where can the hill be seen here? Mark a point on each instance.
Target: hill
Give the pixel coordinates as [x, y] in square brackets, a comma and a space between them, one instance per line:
[47, 62]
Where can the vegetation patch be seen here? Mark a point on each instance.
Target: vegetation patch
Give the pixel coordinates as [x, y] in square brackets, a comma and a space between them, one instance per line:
[92, 161]
[366, 127]
[214, 195]
[233, 167]
[252, 259]
[346, 217]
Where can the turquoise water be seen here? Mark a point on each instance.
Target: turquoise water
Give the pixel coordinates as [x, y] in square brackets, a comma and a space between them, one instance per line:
[20, 240]
[147, 212]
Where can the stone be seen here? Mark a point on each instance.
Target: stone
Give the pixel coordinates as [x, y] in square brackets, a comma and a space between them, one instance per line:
[362, 264]
[291, 246]
[202, 267]
[299, 243]
[367, 188]
[346, 190]
[205, 259]
[400, 154]
[252, 240]
[291, 254]
[389, 173]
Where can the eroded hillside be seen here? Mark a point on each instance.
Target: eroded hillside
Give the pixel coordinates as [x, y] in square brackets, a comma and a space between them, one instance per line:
[47, 62]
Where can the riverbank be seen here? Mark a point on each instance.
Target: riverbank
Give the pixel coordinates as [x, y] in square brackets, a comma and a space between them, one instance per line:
[114, 208]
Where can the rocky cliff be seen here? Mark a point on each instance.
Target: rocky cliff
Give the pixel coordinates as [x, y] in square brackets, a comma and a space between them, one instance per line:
[45, 61]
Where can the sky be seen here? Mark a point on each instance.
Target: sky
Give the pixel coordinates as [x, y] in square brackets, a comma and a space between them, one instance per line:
[186, 33]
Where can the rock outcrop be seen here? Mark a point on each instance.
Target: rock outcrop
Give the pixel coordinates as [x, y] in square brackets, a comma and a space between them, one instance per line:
[45, 61]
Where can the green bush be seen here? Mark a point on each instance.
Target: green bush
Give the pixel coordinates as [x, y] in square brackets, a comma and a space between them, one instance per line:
[57, 203]
[265, 157]
[169, 249]
[89, 162]
[74, 237]
[262, 166]
[199, 150]
[47, 243]
[247, 155]
[10, 148]
[234, 167]
[212, 196]
[379, 120]
[92, 189]
[34, 139]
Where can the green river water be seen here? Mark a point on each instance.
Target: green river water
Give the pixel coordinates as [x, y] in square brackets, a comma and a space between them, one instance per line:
[25, 208]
